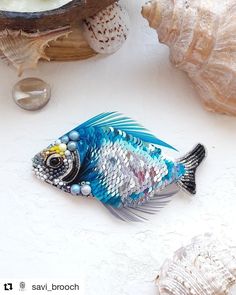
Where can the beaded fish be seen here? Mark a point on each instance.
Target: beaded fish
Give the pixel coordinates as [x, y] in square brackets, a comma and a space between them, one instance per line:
[118, 162]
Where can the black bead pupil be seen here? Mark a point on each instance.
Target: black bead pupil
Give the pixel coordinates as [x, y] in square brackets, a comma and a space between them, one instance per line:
[54, 162]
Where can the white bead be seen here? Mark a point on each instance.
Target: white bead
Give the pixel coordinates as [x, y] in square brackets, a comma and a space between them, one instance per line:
[57, 142]
[67, 153]
[86, 190]
[63, 147]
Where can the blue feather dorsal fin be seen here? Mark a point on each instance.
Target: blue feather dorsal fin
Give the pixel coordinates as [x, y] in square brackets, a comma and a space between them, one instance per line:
[118, 121]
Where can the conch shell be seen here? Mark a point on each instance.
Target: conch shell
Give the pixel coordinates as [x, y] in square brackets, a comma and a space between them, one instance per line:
[201, 35]
[205, 267]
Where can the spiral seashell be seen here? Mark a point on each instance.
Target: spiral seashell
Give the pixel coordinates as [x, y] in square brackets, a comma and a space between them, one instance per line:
[205, 267]
[107, 30]
[201, 36]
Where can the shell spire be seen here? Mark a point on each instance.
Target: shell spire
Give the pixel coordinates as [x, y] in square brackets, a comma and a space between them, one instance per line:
[152, 12]
[201, 36]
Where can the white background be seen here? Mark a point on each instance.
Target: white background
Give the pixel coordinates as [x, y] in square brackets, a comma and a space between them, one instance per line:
[46, 234]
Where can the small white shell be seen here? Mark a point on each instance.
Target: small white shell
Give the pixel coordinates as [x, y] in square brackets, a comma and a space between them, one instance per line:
[107, 30]
[205, 267]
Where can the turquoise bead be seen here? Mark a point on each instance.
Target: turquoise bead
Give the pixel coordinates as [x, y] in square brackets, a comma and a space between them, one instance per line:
[74, 135]
[65, 139]
[72, 146]
[75, 189]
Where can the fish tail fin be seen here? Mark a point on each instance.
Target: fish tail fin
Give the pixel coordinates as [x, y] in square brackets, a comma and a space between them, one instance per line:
[191, 162]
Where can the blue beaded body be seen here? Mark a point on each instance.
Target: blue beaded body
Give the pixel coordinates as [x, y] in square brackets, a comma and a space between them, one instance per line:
[122, 169]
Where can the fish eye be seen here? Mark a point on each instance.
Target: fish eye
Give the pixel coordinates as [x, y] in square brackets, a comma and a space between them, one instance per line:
[54, 161]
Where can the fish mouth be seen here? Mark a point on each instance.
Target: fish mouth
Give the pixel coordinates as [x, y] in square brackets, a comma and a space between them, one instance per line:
[37, 164]
[37, 161]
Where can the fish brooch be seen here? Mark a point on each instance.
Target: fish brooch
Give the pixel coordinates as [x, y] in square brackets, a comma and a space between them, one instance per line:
[120, 163]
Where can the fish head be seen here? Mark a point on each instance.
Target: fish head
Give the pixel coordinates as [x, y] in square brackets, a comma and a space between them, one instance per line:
[58, 164]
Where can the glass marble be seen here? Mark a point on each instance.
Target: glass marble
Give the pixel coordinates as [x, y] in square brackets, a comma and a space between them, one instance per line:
[31, 94]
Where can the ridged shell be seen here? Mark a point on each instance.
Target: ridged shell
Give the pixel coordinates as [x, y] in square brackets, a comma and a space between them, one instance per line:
[201, 35]
[107, 30]
[205, 267]
[24, 50]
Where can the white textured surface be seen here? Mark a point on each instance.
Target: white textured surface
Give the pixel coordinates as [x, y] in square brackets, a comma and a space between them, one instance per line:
[45, 233]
